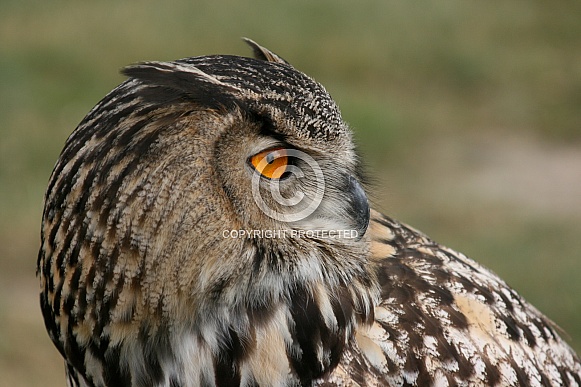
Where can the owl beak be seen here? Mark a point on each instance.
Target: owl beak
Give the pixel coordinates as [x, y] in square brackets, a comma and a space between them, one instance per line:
[359, 206]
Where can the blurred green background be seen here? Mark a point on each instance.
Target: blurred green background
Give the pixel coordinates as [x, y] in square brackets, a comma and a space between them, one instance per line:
[467, 115]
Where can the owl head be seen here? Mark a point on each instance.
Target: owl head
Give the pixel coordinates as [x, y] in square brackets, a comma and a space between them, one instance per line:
[211, 195]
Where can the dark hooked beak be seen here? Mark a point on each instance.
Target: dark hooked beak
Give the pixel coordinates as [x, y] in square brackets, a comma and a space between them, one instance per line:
[358, 206]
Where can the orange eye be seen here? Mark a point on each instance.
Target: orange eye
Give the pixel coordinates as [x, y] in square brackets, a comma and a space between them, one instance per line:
[271, 163]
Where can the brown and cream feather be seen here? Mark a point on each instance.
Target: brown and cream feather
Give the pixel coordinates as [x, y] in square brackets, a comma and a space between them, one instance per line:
[143, 285]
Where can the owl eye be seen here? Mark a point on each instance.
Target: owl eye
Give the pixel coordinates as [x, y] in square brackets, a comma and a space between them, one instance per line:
[271, 163]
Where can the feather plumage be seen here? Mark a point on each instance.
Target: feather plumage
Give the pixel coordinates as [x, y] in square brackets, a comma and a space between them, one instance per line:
[143, 283]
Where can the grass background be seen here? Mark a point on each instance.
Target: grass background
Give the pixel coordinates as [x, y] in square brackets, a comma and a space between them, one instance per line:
[467, 114]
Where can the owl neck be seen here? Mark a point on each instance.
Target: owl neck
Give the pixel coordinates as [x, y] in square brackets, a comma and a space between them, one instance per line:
[290, 342]
[297, 317]
[285, 322]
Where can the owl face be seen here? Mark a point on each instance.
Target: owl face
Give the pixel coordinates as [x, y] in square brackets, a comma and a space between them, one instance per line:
[277, 183]
[284, 165]
[278, 147]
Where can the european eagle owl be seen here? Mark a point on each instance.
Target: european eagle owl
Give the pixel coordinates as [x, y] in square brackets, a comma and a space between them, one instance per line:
[206, 225]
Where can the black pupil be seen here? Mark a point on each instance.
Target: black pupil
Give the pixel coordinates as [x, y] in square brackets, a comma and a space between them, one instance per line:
[270, 158]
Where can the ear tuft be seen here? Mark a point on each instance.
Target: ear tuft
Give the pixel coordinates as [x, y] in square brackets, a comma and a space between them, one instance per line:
[263, 53]
[172, 74]
[172, 81]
